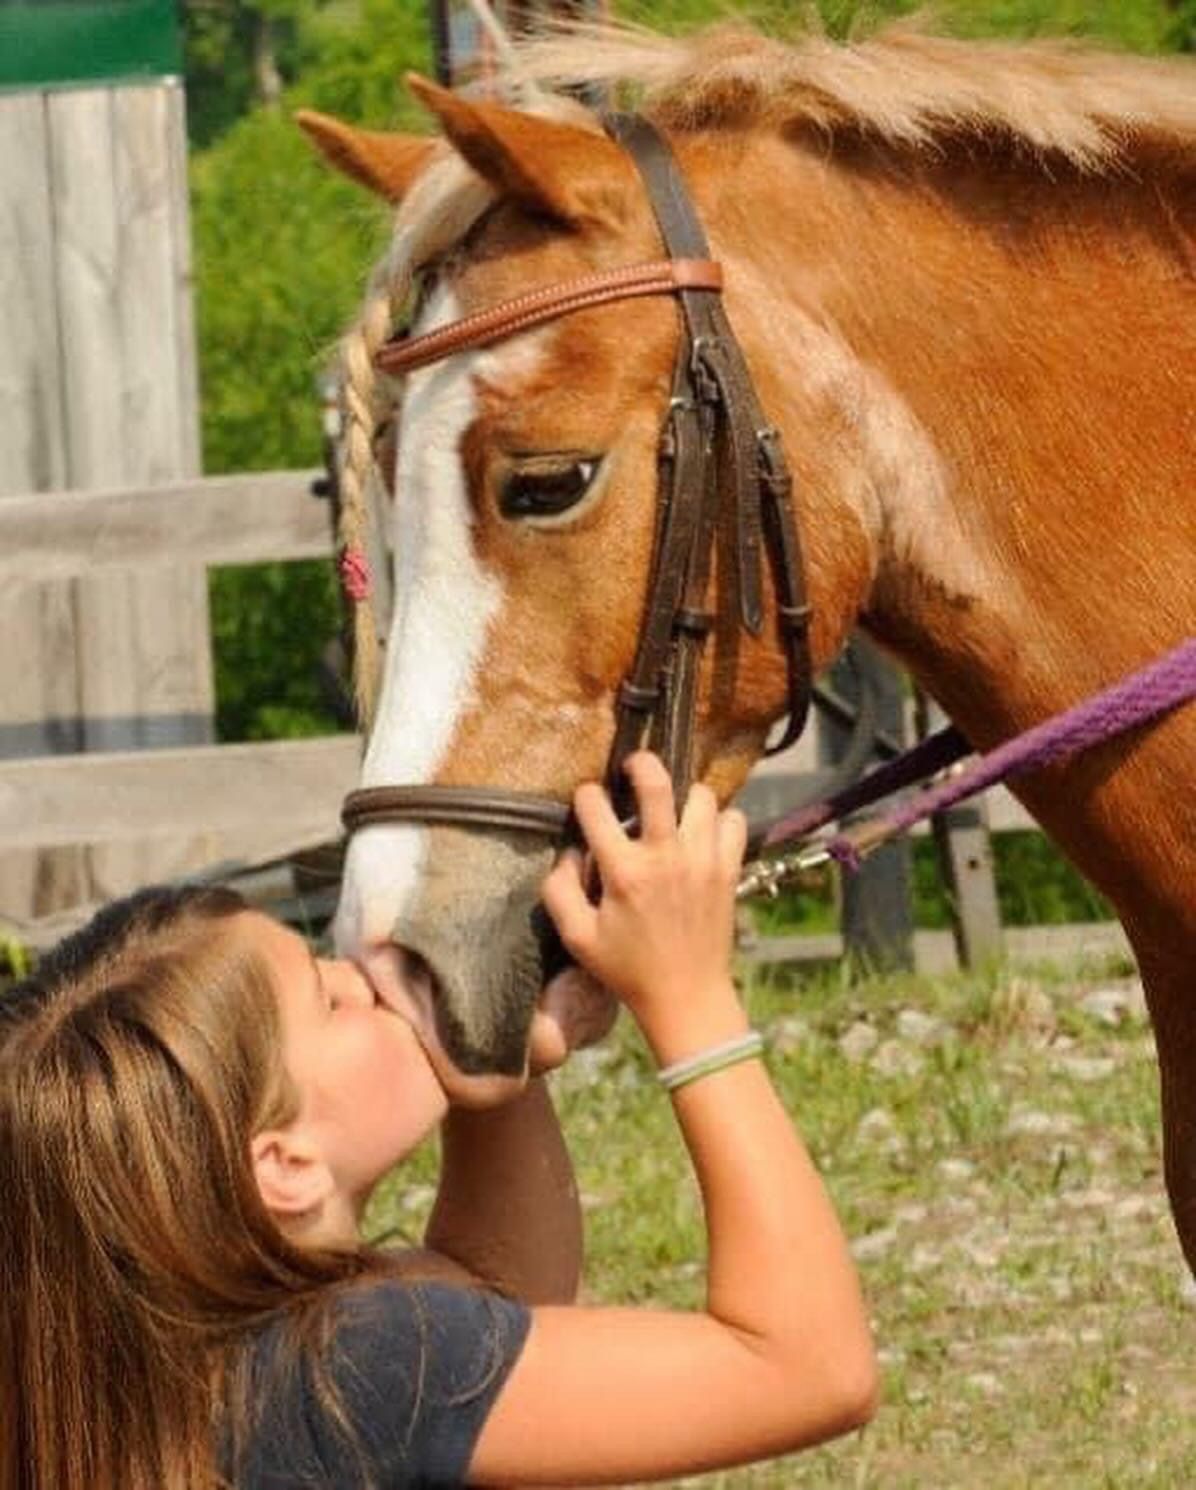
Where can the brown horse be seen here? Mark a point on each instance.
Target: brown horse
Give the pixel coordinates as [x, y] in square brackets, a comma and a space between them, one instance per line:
[965, 280]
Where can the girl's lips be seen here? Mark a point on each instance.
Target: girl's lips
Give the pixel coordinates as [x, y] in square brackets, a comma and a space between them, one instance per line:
[402, 980]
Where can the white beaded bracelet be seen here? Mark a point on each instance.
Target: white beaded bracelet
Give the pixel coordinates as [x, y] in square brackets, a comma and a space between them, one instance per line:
[706, 1062]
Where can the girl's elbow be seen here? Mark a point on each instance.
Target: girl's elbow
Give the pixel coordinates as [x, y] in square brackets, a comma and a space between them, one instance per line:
[859, 1392]
[856, 1390]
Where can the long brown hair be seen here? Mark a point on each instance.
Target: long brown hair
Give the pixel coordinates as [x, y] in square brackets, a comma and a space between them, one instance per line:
[135, 1252]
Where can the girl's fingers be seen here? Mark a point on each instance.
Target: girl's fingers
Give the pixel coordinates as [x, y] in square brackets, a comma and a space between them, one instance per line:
[732, 839]
[601, 827]
[564, 895]
[700, 815]
[654, 794]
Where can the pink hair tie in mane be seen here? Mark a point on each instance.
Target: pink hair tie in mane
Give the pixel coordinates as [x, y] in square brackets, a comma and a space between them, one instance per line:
[355, 573]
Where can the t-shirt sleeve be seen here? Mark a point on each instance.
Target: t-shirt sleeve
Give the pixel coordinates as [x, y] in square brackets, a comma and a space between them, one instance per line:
[413, 1368]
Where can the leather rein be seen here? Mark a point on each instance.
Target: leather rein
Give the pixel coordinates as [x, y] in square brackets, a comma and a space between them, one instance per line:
[715, 439]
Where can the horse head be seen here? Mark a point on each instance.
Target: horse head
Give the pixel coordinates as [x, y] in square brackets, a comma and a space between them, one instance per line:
[526, 504]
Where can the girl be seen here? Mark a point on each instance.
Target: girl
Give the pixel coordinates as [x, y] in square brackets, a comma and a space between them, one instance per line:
[192, 1112]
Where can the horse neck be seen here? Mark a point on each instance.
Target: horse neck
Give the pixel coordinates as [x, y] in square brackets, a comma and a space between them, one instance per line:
[1003, 352]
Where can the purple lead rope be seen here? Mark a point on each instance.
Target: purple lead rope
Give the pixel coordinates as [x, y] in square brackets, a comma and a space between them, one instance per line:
[1144, 696]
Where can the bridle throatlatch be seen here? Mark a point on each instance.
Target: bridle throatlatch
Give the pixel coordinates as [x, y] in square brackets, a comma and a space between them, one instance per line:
[716, 446]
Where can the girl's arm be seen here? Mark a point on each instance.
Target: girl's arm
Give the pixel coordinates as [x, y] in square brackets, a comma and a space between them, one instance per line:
[507, 1209]
[781, 1356]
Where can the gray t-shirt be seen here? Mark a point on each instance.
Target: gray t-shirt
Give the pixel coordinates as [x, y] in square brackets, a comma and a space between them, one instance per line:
[416, 1368]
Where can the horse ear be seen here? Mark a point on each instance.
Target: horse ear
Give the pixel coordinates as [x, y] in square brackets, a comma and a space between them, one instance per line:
[385, 163]
[549, 168]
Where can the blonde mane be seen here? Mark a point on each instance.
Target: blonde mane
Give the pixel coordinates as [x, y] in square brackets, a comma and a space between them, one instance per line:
[903, 86]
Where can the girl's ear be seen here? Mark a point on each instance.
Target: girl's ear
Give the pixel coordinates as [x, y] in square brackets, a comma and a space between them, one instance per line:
[386, 164]
[292, 1175]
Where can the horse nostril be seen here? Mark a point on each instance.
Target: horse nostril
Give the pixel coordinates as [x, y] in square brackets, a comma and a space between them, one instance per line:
[417, 972]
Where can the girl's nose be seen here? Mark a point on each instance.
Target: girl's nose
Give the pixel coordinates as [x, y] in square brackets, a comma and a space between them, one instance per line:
[351, 984]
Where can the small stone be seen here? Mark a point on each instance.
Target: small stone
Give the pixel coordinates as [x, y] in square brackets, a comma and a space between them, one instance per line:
[1021, 1006]
[858, 1043]
[875, 1244]
[586, 1067]
[1027, 1122]
[955, 1171]
[1121, 1003]
[922, 1029]
[1085, 1068]
[896, 1058]
[1038, 1016]
[1093, 1198]
[789, 1034]
[923, 1258]
[878, 1130]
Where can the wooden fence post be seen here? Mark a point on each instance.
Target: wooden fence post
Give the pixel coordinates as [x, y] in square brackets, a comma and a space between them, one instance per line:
[96, 276]
[38, 682]
[877, 915]
[964, 847]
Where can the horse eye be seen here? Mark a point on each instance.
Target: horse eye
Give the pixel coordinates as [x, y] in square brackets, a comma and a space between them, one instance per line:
[543, 490]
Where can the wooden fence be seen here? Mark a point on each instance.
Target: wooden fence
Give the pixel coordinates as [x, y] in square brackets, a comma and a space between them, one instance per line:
[197, 807]
[97, 389]
[227, 810]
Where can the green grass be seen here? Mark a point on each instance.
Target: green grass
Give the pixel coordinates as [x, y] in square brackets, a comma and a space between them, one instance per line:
[1003, 1186]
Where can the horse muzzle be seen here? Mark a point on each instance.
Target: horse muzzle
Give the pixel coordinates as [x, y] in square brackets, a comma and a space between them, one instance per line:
[466, 950]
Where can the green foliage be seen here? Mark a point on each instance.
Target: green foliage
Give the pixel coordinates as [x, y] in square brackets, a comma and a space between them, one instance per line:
[282, 247]
[220, 38]
[1182, 35]
[269, 624]
[1036, 886]
[1145, 25]
[15, 959]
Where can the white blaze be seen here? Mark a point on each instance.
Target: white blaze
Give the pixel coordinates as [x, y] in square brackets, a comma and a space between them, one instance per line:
[444, 602]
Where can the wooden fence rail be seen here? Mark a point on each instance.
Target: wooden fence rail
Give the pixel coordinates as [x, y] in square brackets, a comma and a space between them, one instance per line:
[236, 807]
[211, 520]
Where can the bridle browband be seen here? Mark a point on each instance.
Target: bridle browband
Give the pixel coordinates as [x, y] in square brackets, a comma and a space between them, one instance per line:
[715, 435]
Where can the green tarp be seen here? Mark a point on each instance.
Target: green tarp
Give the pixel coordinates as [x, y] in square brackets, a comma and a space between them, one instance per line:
[77, 41]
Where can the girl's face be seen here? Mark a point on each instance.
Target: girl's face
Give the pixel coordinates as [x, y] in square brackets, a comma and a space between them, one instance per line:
[367, 1093]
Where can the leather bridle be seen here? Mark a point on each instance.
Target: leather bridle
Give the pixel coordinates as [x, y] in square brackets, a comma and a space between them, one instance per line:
[715, 438]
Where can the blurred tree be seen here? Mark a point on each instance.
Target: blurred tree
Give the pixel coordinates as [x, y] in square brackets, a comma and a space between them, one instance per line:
[1182, 35]
[238, 53]
[282, 244]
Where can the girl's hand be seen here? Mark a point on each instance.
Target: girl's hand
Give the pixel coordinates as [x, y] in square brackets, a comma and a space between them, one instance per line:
[661, 935]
